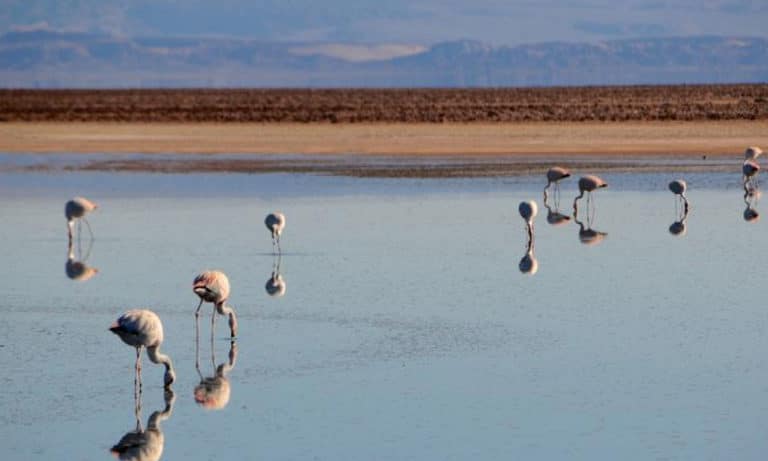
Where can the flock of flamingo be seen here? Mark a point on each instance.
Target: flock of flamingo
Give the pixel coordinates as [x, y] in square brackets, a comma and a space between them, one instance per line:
[590, 183]
[143, 329]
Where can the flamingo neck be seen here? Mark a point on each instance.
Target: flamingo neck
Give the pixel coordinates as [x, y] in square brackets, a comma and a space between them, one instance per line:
[154, 354]
[153, 423]
[223, 309]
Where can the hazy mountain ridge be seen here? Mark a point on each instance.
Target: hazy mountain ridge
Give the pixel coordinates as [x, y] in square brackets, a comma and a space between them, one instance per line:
[44, 58]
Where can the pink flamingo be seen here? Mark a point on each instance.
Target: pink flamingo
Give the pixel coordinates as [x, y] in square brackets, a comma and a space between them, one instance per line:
[213, 287]
[275, 222]
[77, 208]
[142, 328]
[588, 184]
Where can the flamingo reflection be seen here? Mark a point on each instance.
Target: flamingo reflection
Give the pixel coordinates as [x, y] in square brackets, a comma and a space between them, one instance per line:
[751, 197]
[528, 211]
[213, 392]
[145, 444]
[587, 235]
[275, 285]
[76, 267]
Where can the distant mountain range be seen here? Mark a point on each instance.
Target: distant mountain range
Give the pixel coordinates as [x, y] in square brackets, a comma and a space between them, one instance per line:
[45, 58]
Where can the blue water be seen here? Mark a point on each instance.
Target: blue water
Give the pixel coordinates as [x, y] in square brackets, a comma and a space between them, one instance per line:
[407, 330]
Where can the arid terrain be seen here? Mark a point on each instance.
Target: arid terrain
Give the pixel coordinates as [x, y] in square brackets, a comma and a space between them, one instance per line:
[571, 104]
[385, 132]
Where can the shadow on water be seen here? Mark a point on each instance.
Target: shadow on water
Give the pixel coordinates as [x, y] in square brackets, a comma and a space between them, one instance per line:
[145, 444]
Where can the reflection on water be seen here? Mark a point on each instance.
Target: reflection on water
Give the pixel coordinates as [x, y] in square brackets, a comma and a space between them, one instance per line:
[587, 235]
[751, 197]
[395, 335]
[145, 444]
[275, 285]
[76, 267]
[213, 392]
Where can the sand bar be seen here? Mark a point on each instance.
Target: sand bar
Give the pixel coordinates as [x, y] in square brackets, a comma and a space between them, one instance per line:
[614, 139]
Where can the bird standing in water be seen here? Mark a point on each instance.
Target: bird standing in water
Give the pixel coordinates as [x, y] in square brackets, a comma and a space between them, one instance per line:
[528, 210]
[75, 209]
[142, 328]
[678, 187]
[213, 287]
[275, 222]
[587, 184]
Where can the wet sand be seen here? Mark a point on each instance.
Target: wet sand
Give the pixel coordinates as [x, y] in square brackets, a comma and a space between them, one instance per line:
[380, 150]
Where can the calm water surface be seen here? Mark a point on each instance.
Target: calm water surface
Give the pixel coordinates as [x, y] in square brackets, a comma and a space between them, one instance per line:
[406, 331]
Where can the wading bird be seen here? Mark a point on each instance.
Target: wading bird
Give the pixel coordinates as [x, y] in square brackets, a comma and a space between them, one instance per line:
[587, 184]
[142, 328]
[752, 153]
[528, 210]
[213, 287]
[750, 169]
[555, 175]
[77, 208]
[275, 222]
[145, 445]
[678, 187]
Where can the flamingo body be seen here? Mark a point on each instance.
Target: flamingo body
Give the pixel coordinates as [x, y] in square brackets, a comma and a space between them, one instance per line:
[752, 152]
[142, 328]
[78, 207]
[678, 187]
[528, 210]
[213, 287]
[275, 222]
[750, 168]
[557, 173]
[591, 183]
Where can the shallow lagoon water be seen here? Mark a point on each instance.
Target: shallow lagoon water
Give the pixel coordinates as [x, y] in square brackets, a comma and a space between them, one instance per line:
[406, 330]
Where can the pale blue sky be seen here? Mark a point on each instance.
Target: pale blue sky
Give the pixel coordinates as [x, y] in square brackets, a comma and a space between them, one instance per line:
[402, 21]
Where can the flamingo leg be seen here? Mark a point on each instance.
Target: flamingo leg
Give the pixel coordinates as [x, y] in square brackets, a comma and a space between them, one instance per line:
[279, 250]
[137, 380]
[197, 311]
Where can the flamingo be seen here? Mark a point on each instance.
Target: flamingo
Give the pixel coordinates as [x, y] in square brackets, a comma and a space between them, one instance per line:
[275, 222]
[77, 208]
[213, 287]
[528, 210]
[555, 175]
[145, 445]
[587, 184]
[752, 153]
[750, 169]
[142, 328]
[678, 187]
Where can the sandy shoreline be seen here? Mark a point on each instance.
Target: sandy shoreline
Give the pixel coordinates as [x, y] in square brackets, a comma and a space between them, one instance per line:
[613, 139]
[377, 150]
